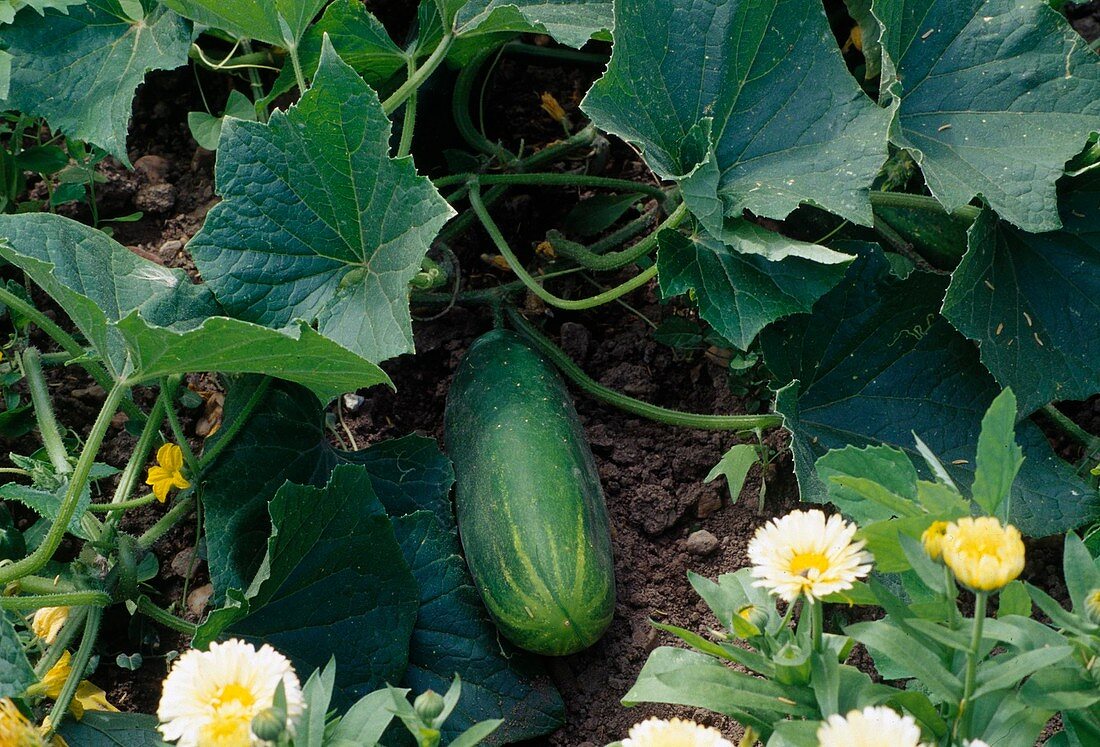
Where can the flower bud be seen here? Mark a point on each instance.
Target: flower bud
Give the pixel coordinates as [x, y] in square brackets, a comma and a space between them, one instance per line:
[269, 724]
[1092, 606]
[429, 705]
[756, 616]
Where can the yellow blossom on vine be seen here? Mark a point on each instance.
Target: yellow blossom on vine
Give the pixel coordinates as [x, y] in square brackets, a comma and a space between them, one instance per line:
[167, 474]
[983, 554]
[551, 106]
[54, 680]
[932, 539]
[87, 697]
[16, 730]
[48, 621]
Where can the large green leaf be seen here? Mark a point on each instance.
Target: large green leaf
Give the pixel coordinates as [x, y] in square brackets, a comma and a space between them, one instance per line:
[875, 364]
[1030, 301]
[145, 320]
[995, 96]
[455, 636]
[8, 8]
[740, 294]
[571, 22]
[16, 674]
[747, 104]
[79, 70]
[252, 19]
[334, 581]
[318, 222]
[105, 729]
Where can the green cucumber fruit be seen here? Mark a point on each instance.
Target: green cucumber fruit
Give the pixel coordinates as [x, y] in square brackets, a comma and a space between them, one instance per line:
[530, 508]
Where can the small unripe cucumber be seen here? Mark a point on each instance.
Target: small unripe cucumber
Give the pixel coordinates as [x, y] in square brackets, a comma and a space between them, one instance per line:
[531, 512]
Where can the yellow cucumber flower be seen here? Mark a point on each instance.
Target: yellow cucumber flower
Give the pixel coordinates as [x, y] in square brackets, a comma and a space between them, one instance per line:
[932, 539]
[655, 732]
[87, 697]
[210, 697]
[983, 554]
[803, 553]
[54, 680]
[168, 473]
[872, 727]
[48, 621]
[16, 730]
[551, 106]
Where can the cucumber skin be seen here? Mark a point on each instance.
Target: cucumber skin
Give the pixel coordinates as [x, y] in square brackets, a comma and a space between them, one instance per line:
[530, 508]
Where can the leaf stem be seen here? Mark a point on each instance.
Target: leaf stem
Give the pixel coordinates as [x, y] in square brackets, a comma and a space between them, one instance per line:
[127, 481]
[43, 411]
[77, 483]
[614, 260]
[532, 284]
[79, 664]
[297, 63]
[460, 112]
[64, 599]
[555, 179]
[414, 81]
[408, 124]
[230, 432]
[628, 404]
[164, 617]
[968, 213]
[145, 500]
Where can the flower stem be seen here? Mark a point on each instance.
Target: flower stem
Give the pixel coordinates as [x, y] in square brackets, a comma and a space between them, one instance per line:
[981, 599]
[166, 522]
[168, 387]
[414, 81]
[628, 404]
[77, 482]
[79, 664]
[748, 739]
[43, 411]
[817, 623]
[132, 472]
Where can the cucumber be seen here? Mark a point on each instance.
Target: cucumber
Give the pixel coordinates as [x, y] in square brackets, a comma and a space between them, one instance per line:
[530, 509]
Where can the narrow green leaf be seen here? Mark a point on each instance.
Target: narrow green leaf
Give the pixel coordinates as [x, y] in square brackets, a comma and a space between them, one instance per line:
[1005, 672]
[905, 650]
[999, 457]
[887, 468]
[365, 722]
[97, 56]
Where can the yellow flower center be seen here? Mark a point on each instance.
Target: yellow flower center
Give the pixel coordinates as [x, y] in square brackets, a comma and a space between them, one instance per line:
[234, 693]
[231, 725]
[803, 563]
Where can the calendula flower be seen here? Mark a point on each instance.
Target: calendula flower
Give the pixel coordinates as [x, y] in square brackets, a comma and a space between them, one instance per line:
[210, 697]
[803, 553]
[983, 555]
[655, 732]
[48, 621]
[16, 730]
[1092, 606]
[167, 474]
[871, 727]
[932, 539]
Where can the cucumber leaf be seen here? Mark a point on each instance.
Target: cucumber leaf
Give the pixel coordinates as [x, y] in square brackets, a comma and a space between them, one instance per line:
[318, 223]
[748, 105]
[97, 56]
[8, 8]
[571, 22]
[16, 674]
[334, 579]
[250, 19]
[106, 729]
[875, 364]
[994, 97]
[145, 321]
[1027, 299]
[454, 635]
[740, 294]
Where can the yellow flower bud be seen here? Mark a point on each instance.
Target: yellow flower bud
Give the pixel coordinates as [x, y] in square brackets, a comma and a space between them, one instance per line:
[983, 554]
[48, 621]
[551, 106]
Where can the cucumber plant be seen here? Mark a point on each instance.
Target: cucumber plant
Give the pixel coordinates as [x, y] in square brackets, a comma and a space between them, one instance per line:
[896, 241]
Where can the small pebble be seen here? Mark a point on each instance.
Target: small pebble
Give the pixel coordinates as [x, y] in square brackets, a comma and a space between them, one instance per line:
[701, 543]
[198, 599]
[707, 504]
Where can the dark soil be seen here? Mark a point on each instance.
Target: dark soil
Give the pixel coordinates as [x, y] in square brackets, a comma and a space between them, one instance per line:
[652, 474]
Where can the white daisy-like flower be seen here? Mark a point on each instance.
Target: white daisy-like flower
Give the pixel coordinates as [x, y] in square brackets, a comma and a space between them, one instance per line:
[803, 553]
[871, 727]
[976, 743]
[656, 732]
[210, 697]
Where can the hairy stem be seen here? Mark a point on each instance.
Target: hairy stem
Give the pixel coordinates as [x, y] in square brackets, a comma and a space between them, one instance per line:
[79, 664]
[414, 81]
[64, 599]
[43, 412]
[166, 522]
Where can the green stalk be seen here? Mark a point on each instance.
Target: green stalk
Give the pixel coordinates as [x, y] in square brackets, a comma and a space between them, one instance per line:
[460, 111]
[67, 343]
[408, 124]
[168, 389]
[79, 664]
[533, 285]
[297, 63]
[43, 412]
[628, 404]
[128, 480]
[166, 522]
[145, 500]
[41, 586]
[77, 482]
[748, 739]
[164, 617]
[64, 599]
[554, 179]
[414, 81]
[230, 432]
[981, 598]
[922, 202]
[624, 234]
[614, 260]
[255, 84]
[817, 623]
